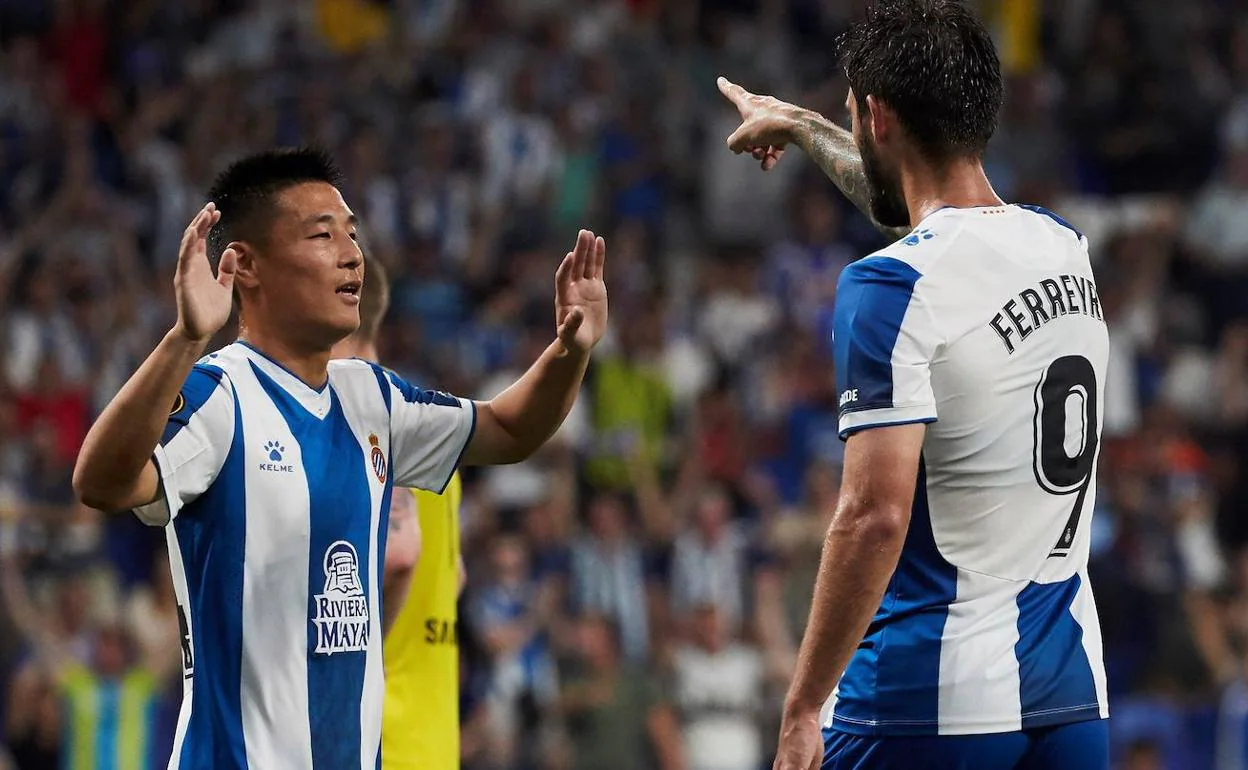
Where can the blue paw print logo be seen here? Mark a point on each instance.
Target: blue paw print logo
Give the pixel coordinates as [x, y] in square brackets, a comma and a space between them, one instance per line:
[921, 235]
[275, 451]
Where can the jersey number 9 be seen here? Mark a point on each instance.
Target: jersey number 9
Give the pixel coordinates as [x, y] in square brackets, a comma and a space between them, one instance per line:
[1066, 432]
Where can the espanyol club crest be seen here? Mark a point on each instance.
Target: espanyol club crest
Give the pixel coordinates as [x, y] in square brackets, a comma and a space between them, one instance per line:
[377, 458]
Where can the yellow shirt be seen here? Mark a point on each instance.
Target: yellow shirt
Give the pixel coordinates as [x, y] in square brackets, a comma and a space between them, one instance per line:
[420, 725]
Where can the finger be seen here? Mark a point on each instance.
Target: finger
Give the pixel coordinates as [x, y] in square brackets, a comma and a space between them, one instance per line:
[600, 258]
[571, 324]
[759, 153]
[591, 259]
[742, 139]
[772, 158]
[564, 273]
[734, 93]
[192, 232]
[227, 268]
[580, 254]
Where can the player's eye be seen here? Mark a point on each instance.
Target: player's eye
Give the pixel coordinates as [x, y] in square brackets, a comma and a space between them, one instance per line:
[322, 235]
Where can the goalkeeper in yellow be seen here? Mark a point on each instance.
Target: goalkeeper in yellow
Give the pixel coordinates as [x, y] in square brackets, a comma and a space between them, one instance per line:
[423, 576]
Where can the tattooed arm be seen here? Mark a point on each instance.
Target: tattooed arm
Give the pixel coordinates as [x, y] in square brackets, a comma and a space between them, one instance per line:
[768, 125]
[832, 148]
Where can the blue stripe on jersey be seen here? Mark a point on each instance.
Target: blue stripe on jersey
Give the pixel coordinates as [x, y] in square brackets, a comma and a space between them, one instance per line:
[1054, 675]
[279, 364]
[340, 505]
[211, 532]
[383, 384]
[415, 395]
[1046, 213]
[891, 685]
[872, 296]
[200, 384]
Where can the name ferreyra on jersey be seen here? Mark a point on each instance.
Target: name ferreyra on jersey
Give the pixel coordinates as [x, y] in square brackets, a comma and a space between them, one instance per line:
[985, 323]
[274, 499]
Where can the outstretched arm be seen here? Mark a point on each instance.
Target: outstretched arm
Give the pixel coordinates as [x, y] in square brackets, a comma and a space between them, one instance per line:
[768, 125]
[515, 423]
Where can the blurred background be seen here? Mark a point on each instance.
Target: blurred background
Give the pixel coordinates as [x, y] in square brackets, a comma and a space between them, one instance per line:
[674, 524]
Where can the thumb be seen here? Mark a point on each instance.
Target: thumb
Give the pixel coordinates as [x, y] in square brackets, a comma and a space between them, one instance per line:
[570, 325]
[227, 268]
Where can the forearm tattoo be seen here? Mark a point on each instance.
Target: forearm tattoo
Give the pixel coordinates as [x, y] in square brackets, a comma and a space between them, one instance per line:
[834, 151]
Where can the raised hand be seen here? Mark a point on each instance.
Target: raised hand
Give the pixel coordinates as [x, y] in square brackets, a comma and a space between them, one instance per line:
[768, 125]
[204, 300]
[581, 294]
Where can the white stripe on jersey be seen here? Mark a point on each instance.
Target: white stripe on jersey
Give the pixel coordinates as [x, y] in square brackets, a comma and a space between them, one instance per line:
[977, 662]
[1084, 610]
[275, 585]
[181, 592]
[356, 402]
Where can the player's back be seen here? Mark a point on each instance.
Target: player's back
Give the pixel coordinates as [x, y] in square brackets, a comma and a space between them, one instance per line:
[986, 324]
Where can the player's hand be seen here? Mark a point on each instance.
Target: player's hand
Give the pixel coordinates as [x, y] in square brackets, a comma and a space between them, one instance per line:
[768, 125]
[581, 294]
[204, 299]
[801, 743]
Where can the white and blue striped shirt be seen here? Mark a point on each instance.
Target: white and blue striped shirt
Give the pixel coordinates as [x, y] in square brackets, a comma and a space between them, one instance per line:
[275, 500]
[986, 324]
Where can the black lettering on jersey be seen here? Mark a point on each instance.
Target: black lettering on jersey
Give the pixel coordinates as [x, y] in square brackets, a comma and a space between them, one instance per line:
[1054, 293]
[1061, 301]
[1070, 294]
[188, 657]
[179, 404]
[1035, 305]
[1017, 319]
[998, 326]
[441, 631]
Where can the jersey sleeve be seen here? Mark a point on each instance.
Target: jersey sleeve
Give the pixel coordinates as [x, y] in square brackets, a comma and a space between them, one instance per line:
[193, 448]
[429, 431]
[883, 342]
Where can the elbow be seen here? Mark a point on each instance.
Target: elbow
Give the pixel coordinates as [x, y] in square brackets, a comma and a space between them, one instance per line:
[87, 490]
[875, 524]
[94, 492]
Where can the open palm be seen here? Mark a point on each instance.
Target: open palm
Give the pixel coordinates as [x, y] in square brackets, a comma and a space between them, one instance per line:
[581, 294]
[204, 299]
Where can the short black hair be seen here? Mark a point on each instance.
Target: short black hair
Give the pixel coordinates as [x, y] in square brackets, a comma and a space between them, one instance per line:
[935, 65]
[245, 193]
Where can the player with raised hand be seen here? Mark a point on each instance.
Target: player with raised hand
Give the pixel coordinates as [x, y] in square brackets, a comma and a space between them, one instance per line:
[953, 625]
[273, 471]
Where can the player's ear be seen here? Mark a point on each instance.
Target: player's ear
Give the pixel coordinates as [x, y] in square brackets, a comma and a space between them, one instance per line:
[880, 120]
[245, 274]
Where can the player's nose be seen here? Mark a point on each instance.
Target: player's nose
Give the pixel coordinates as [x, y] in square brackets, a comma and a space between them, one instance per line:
[350, 257]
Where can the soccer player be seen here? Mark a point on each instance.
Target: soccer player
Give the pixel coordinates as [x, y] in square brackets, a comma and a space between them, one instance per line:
[424, 574]
[952, 625]
[273, 470]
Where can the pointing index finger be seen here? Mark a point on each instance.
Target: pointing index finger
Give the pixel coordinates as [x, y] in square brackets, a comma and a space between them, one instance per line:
[733, 92]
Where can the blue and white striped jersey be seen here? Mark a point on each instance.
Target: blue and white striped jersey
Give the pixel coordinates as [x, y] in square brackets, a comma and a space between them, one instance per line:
[275, 500]
[986, 324]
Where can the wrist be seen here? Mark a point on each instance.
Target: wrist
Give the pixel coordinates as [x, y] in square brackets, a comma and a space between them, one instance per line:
[181, 337]
[806, 125]
[800, 709]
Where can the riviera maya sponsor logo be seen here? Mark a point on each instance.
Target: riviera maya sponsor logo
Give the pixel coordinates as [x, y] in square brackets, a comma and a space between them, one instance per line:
[340, 613]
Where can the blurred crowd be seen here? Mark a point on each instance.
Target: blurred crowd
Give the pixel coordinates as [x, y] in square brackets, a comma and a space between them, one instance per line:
[636, 593]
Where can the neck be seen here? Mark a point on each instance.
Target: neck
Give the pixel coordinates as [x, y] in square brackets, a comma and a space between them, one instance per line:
[311, 365]
[353, 347]
[960, 184]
